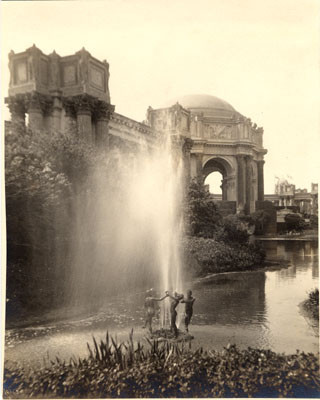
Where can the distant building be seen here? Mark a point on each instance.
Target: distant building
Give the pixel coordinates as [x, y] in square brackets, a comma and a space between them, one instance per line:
[299, 200]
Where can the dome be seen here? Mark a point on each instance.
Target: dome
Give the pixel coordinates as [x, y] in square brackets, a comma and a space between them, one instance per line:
[209, 106]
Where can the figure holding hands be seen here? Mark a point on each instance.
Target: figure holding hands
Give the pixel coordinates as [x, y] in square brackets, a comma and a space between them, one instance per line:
[189, 300]
[176, 297]
[150, 307]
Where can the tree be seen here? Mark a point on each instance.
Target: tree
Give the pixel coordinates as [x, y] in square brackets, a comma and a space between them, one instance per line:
[201, 213]
[42, 173]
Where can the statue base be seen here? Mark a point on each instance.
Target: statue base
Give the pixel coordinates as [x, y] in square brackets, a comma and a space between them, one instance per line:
[166, 335]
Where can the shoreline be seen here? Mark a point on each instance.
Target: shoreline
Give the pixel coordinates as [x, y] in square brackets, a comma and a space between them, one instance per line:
[307, 314]
[269, 265]
[306, 238]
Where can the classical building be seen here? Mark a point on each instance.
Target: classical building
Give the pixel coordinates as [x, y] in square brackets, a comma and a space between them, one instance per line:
[71, 94]
[222, 140]
[287, 196]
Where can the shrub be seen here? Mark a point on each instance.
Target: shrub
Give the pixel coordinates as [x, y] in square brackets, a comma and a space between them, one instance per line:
[314, 221]
[214, 256]
[312, 303]
[294, 222]
[168, 370]
[234, 229]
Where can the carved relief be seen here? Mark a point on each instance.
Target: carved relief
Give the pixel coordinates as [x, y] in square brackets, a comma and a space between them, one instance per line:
[21, 72]
[69, 74]
[218, 131]
[96, 77]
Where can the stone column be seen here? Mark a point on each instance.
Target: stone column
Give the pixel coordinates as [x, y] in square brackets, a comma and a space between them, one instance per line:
[84, 123]
[70, 118]
[35, 114]
[260, 165]
[241, 182]
[187, 145]
[199, 167]
[193, 166]
[224, 188]
[248, 161]
[102, 116]
[17, 111]
[102, 137]
[56, 115]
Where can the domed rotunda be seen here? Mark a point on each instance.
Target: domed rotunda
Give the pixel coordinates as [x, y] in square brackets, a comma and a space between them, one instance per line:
[205, 104]
[222, 140]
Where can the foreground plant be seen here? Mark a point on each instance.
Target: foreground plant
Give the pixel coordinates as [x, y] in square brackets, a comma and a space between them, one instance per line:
[312, 303]
[167, 369]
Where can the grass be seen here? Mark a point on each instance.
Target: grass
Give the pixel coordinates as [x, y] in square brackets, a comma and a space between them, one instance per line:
[152, 369]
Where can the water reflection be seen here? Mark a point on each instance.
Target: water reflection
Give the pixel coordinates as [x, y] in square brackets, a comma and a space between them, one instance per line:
[234, 298]
[266, 303]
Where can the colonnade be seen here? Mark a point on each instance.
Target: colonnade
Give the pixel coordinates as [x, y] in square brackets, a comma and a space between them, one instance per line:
[82, 115]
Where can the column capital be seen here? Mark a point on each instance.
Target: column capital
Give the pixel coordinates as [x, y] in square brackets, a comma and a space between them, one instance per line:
[102, 110]
[81, 103]
[16, 104]
[85, 104]
[70, 106]
[89, 105]
[39, 102]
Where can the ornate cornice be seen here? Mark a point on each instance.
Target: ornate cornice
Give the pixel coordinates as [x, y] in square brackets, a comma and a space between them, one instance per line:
[134, 125]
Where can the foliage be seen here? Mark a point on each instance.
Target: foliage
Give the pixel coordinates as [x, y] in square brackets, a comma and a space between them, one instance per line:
[214, 256]
[294, 222]
[314, 221]
[260, 218]
[234, 229]
[312, 303]
[200, 211]
[42, 173]
[204, 219]
[217, 243]
[130, 369]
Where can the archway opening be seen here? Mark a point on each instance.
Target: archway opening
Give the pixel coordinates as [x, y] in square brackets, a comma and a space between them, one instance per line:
[220, 169]
[214, 181]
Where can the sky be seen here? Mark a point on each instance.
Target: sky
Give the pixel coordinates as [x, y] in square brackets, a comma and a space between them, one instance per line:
[260, 56]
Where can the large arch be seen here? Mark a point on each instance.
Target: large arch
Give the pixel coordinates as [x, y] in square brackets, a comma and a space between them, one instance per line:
[227, 169]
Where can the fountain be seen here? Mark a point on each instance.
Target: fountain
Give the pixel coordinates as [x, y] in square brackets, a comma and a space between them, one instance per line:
[128, 227]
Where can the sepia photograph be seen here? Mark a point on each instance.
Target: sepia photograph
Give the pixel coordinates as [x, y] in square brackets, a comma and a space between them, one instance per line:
[159, 209]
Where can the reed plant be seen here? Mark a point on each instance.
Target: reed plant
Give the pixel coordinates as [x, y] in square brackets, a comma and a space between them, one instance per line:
[152, 369]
